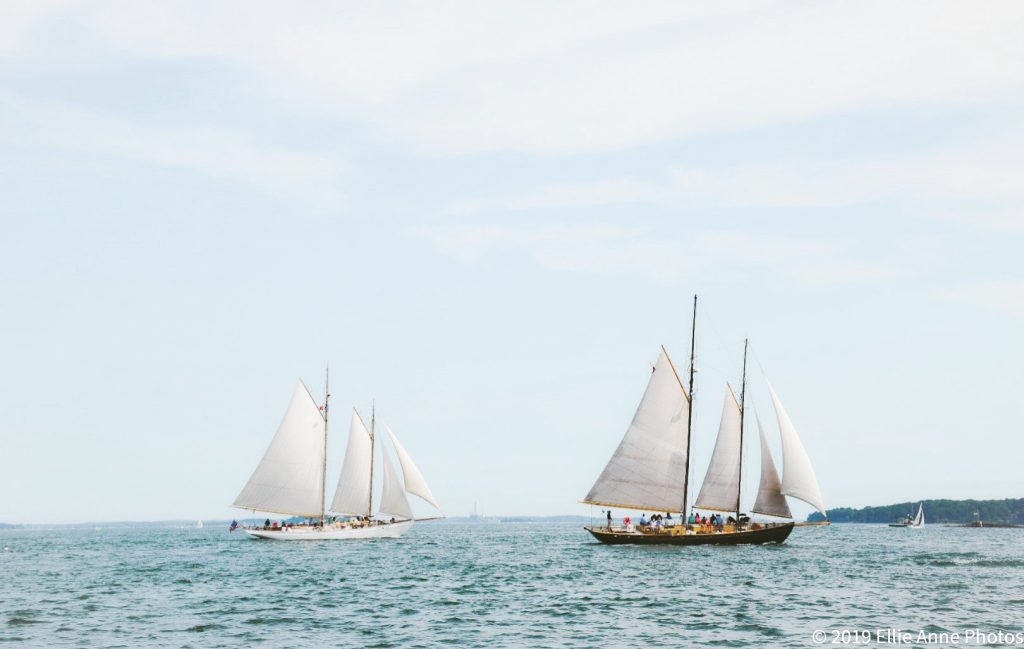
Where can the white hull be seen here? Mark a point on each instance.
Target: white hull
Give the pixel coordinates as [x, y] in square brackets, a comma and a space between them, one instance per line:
[387, 531]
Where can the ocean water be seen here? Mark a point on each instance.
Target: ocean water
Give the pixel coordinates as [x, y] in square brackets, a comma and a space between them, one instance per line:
[503, 585]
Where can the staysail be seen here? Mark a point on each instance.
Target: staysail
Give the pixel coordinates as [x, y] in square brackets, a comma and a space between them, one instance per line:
[392, 497]
[290, 479]
[414, 482]
[798, 478]
[721, 488]
[770, 500]
[353, 493]
[648, 469]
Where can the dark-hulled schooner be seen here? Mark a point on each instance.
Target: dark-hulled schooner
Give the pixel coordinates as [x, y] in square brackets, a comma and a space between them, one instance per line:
[650, 469]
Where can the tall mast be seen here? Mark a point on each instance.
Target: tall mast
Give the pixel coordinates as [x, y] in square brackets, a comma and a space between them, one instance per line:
[323, 481]
[373, 438]
[689, 409]
[743, 411]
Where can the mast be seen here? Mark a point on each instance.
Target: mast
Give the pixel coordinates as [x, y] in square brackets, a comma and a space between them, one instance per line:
[743, 397]
[323, 481]
[689, 409]
[373, 438]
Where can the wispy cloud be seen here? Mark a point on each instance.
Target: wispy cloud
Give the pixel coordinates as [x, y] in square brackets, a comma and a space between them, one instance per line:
[573, 77]
[978, 184]
[999, 296]
[602, 248]
[213, 152]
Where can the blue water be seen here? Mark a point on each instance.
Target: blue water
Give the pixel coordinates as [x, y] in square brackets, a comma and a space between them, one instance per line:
[506, 585]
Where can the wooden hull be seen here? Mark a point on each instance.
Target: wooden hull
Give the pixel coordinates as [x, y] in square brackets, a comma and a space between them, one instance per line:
[773, 534]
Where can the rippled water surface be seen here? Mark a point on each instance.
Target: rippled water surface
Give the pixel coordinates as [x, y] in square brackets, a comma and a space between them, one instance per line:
[504, 585]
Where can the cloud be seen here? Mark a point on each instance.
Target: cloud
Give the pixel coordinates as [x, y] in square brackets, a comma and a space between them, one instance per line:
[603, 248]
[214, 152]
[1000, 296]
[569, 77]
[979, 184]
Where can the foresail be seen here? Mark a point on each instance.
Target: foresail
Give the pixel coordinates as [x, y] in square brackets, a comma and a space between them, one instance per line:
[648, 469]
[414, 482]
[392, 498]
[353, 493]
[289, 478]
[798, 478]
[919, 519]
[770, 500]
[721, 487]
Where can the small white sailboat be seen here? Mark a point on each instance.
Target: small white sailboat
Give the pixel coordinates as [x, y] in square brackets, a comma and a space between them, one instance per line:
[292, 477]
[199, 524]
[917, 522]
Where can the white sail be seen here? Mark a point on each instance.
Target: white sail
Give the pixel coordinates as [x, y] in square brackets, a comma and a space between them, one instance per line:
[353, 493]
[919, 519]
[648, 469]
[414, 482]
[770, 500]
[392, 497]
[798, 478]
[290, 477]
[721, 487]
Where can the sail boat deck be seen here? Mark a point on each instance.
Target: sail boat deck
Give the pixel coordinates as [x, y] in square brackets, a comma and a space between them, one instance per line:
[378, 531]
[757, 534]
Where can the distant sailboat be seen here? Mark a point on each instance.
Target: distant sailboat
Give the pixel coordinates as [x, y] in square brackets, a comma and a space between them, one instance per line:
[916, 522]
[199, 524]
[650, 469]
[292, 477]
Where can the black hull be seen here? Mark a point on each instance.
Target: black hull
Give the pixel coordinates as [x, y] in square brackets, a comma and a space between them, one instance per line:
[773, 534]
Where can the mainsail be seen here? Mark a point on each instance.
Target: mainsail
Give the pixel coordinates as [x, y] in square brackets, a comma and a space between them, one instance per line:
[721, 488]
[290, 477]
[648, 469]
[392, 498]
[919, 519]
[414, 482]
[770, 500]
[798, 478]
[353, 493]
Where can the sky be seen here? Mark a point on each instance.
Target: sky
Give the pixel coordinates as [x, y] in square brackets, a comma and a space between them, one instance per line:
[487, 217]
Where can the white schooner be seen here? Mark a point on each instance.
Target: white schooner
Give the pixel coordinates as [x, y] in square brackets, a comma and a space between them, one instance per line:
[291, 479]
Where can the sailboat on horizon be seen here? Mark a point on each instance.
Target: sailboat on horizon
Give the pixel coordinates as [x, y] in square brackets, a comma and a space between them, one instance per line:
[914, 523]
[291, 479]
[650, 469]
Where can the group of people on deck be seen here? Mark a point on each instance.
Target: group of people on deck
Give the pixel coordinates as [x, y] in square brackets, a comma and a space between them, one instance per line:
[709, 523]
[656, 521]
[715, 522]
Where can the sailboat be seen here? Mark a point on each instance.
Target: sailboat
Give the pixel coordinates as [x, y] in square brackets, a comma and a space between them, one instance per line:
[914, 523]
[650, 469]
[292, 479]
[199, 524]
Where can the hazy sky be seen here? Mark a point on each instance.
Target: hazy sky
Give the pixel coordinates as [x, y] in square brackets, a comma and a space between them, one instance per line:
[488, 217]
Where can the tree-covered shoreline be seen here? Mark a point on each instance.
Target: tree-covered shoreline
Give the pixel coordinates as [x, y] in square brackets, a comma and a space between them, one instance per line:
[1008, 510]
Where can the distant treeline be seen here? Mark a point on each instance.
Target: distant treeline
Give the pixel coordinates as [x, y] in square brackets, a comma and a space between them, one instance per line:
[1010, 510]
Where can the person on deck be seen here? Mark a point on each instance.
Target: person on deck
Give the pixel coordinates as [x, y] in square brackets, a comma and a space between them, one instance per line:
[609, 519]
[692, 520]
[643, 519]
